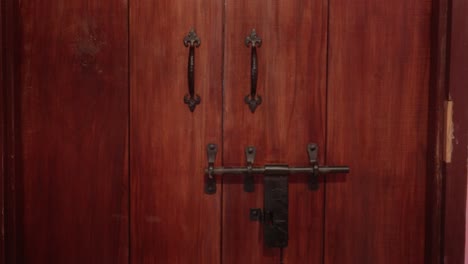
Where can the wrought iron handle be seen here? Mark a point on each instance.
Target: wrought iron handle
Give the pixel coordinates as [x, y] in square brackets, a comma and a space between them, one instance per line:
[192, 41]
[253, 100]
[314, 170]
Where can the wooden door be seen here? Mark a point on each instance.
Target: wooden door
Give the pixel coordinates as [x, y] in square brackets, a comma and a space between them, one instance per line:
[111, 161]
[351, 77]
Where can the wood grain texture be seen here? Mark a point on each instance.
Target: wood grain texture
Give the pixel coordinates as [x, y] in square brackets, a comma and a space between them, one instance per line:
[74, 118]
[377, 123]
[455, 250]
[291, 81]
[173, 220]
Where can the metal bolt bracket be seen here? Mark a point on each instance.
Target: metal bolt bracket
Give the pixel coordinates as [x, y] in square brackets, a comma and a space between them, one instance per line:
[250, 152]
[210, 181]
[312, 149]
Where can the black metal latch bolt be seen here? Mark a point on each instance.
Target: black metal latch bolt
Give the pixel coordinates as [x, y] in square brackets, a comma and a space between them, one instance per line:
[314, 170]
[274, 215]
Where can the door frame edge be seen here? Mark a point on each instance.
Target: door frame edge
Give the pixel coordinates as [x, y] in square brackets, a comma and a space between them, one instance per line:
[445, 195]
[454, 211]
[10, 84]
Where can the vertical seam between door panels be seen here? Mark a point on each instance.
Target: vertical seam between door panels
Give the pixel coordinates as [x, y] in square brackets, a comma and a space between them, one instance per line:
[129, 212]
[325, 149]
[223, 41]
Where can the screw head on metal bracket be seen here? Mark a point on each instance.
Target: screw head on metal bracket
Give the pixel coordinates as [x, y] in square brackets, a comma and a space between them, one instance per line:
[250, 152]
[256, 214]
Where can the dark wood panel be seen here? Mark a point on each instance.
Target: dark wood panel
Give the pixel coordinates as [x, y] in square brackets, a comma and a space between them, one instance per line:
[173, 221]
[377, 123]
[292, 65]
[10, 80]
[455, 250]
[3, 129]
[74, 120]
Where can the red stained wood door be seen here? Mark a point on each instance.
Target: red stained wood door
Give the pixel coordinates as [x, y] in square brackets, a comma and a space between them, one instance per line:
[351, 77]
[112, 161]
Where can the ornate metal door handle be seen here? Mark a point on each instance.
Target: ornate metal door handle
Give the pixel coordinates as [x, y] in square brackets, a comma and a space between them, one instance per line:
[274, 215]
[252, 99]
[192, 41]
